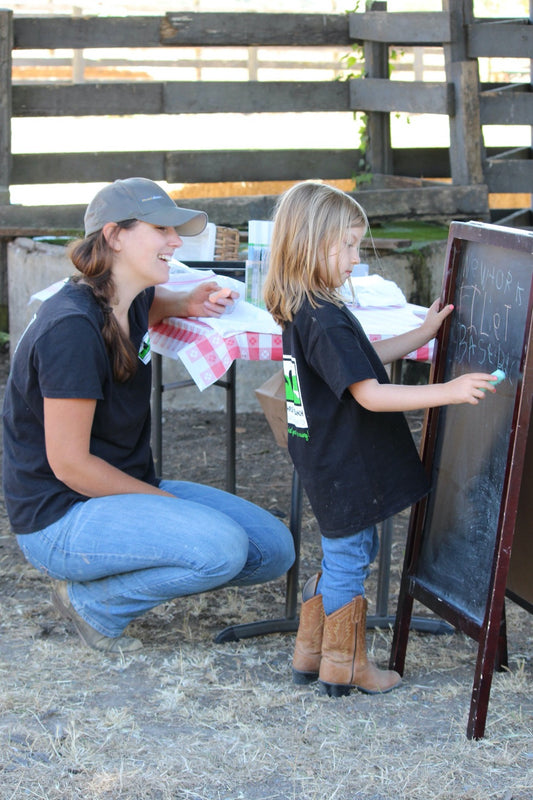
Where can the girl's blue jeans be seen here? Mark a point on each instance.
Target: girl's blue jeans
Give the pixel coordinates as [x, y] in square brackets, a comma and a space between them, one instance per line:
[125, 554]
[345, 567]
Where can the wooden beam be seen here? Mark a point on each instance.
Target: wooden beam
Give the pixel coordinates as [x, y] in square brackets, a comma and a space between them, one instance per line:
[57, 32]
[256, 165]
[466, 147]
[415, 97]
[215, 166]
[179, 97]
[183, 30]
[253, 29]
[6, 35]
[376, 139]
[440, 201]
[502, 38]
[18, 220]
[509, 176]
[505, 107]
[6, 43]
[407, 28]
[100, 167]
[196, 166]
[421, 162]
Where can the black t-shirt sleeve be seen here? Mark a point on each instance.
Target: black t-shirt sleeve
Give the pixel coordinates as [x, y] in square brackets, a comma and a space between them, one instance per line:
[70, 360]
[340, 360]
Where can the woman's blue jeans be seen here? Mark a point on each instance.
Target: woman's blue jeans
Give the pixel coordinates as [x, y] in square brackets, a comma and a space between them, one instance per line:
[125, 554]
[345, 567]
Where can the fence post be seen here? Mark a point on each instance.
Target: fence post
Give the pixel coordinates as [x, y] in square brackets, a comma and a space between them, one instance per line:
[6, 45]
[466, 144]
[78, 59]
[379, 151]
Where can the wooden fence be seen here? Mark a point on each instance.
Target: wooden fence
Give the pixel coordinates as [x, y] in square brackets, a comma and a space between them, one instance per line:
[397, 188]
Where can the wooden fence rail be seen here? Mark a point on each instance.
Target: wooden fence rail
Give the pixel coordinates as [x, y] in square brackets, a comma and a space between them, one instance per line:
[467, 104]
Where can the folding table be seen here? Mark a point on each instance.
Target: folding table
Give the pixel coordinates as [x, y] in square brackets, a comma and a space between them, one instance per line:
[210, 358]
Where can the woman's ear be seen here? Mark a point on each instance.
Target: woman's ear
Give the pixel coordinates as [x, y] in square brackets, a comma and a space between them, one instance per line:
[109, 231]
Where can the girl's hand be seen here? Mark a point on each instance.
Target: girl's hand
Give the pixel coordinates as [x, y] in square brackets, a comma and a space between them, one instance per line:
[209, 300]
[470, 388]
[434, 318]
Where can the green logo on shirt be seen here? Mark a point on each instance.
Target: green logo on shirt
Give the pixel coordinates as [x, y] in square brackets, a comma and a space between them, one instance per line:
[295, 408]
[144, 350]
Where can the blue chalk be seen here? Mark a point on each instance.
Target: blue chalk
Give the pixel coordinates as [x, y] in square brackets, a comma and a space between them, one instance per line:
[499, 374]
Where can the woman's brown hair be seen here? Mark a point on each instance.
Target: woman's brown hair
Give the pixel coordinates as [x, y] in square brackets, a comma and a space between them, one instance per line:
[93, 257]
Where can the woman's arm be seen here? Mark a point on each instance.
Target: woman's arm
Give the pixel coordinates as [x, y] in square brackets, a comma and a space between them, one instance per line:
[469, 388]
[396, 347]
[67, 428]
[206, 300]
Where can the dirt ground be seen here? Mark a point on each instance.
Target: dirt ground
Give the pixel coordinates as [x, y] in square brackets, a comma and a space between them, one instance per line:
[191, 719]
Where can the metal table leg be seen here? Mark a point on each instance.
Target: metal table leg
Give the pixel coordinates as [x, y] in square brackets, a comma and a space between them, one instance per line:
[158, 387]
[288, 623]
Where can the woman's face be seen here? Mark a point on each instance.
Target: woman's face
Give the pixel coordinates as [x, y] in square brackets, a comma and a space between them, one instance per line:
[143, 251]
[342, 258]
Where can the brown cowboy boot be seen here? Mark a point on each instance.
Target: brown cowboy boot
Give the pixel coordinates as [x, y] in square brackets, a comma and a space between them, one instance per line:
[344, 664]
[308, 645]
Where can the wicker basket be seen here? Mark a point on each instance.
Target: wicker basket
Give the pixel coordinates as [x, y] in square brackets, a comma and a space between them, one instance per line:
[226, 244]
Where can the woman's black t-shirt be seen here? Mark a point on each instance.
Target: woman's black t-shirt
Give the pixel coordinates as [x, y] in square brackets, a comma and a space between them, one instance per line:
[62, 355]
[358, 467]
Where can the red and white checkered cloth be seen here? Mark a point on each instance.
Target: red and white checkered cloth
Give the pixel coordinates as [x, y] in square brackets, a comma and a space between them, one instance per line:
[207, 355]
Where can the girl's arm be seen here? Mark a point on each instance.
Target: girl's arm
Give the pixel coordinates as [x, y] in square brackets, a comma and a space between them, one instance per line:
[67, 427]
[469, 388]
[396, 347]
[206, 300]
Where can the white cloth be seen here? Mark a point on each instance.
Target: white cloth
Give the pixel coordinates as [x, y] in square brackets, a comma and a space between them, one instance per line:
[373, 291]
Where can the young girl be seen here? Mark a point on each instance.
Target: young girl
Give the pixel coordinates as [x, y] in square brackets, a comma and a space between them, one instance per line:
[349, 442]
[79, 480]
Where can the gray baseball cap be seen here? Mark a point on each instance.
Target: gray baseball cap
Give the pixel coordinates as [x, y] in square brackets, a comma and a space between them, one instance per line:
[144, 200]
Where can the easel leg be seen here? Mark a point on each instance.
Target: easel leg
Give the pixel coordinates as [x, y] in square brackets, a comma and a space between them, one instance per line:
[401, 629]
[492, 651]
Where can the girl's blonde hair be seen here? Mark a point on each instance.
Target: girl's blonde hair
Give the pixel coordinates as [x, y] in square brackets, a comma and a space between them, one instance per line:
[310, 218]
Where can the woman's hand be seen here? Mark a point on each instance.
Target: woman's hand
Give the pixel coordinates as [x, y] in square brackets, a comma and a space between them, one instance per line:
[209, 300]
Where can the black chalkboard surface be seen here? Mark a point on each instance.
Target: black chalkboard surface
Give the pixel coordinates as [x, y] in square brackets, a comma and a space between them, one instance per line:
[460, 536]
[491, 296]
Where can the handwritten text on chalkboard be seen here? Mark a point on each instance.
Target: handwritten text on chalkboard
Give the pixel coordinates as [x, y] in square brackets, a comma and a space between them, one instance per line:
[488, 301]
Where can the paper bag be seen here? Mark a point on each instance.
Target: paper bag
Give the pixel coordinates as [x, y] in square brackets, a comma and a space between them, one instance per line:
[271, 396]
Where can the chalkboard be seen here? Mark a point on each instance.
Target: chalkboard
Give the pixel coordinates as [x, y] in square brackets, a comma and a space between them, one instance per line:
[491, 292]
[460, 537]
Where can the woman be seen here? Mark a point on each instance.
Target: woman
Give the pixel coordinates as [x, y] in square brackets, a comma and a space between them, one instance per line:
[79, 480]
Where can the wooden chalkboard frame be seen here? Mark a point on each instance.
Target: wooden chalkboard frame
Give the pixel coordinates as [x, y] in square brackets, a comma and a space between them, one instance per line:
[489, 629]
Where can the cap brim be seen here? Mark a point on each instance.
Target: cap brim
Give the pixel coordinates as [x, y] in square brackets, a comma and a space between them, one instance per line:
[186, 221]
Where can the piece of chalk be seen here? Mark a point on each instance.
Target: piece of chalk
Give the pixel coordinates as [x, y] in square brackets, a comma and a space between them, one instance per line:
[499, 374]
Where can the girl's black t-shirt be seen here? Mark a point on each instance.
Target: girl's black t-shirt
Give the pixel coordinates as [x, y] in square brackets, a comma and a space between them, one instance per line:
[358, 467]
[62, 355]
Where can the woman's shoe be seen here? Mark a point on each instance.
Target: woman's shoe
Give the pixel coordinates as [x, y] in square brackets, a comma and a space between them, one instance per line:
[308, 645]
[88, 634]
